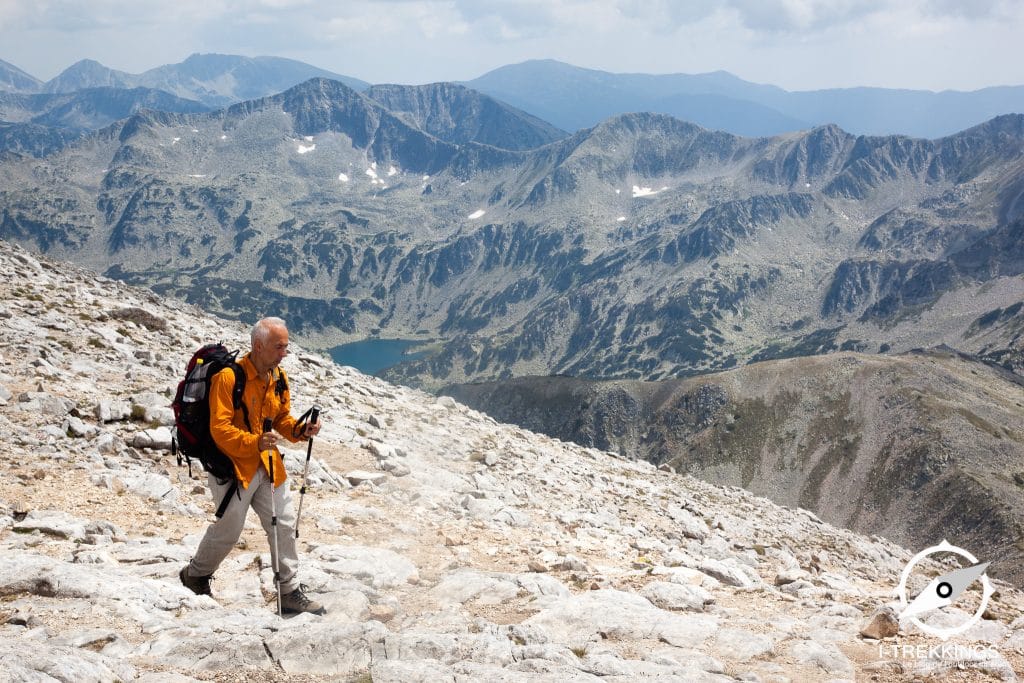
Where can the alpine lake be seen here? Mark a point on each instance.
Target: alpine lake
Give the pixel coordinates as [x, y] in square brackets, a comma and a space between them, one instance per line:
[371, 356]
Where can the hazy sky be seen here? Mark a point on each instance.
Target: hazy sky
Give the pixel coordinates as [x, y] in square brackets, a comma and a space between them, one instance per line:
[795, 44]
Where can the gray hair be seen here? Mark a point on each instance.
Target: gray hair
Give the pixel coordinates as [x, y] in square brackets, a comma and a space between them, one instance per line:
[261, 330]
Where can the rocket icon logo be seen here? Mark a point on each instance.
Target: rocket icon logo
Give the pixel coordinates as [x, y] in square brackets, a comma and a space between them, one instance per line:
[944, 590]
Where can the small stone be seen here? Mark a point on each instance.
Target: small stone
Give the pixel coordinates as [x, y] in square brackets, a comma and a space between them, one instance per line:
[396, 468]
[883, 624]
[535, 566]
[790, 575]
[357, 477]
[382, 613]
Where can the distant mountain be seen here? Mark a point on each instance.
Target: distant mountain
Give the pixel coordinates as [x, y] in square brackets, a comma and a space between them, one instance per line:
[919, 113]
[569, 98]
[459, 115]
[41, 124]
[90, 108]
[88, 73]
[219, 80]
[645, 247]
[573, 98]
[13, 79]
[213, 79]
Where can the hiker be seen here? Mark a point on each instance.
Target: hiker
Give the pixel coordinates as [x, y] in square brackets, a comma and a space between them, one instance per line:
[266, 399]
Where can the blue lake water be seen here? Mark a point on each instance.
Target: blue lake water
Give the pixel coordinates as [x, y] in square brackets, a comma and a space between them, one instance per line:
[370, 356]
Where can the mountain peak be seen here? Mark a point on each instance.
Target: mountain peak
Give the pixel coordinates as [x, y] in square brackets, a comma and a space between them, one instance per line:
[13, 79]
[88, 73]
[458, 114]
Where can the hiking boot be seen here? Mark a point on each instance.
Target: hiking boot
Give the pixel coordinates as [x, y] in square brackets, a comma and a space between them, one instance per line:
[200, 585]
[296, 602]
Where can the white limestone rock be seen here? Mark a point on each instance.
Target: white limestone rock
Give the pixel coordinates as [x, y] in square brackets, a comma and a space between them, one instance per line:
[618, 615]
[376, 567]
[742, 645]
[158, 438]
[357, 477]
[27, 659]
[326, 649]
[825, 656]
[674, 596]
[464, 585]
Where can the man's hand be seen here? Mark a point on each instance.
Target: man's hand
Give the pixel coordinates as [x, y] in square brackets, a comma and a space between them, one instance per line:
[268, 440]
[312, 429]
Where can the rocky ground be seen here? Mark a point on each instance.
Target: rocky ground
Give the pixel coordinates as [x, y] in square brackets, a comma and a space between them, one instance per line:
[445, 546]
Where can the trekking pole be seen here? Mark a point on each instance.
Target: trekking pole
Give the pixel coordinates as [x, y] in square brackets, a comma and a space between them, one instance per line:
[314, 415]
[268, 424]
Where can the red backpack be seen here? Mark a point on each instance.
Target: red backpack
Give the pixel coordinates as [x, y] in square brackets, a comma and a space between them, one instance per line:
[191, 406]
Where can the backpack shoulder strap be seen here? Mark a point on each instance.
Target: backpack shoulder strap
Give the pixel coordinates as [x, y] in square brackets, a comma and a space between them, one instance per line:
[281, 384]
[236, 394]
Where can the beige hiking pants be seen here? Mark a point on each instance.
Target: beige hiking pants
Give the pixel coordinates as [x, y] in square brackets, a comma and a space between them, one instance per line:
[222, 535]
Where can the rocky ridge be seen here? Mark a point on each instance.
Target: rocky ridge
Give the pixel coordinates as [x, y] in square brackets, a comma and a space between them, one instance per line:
[445, 546]
[459, 115]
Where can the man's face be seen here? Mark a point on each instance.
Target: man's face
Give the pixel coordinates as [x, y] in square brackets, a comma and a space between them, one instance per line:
[272, 351]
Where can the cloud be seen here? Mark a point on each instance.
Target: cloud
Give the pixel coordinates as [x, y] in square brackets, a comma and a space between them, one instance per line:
[73, 16]
[972, 10]
[787, 16]
[517, 19]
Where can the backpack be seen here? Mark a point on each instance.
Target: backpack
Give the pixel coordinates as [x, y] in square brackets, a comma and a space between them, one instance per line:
[192, 438]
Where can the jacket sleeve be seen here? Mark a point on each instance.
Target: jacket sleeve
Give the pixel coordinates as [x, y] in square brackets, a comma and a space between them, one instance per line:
[236, 443]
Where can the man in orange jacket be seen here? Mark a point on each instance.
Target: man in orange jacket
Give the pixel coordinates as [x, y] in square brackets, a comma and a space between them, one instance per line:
[250, 449]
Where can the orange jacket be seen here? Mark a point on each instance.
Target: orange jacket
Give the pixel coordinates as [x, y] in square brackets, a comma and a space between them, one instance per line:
[228, 428]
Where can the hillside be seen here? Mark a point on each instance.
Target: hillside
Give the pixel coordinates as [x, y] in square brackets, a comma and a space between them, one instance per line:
[909, 447]
[446, 546]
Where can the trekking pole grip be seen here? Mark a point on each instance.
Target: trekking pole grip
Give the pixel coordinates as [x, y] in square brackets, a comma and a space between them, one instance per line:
[268, 424]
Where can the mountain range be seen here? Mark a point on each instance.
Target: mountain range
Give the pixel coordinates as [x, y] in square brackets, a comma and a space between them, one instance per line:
[213, 79]
[644, 247]
[572, 98]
